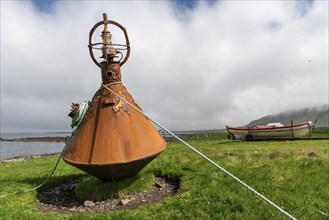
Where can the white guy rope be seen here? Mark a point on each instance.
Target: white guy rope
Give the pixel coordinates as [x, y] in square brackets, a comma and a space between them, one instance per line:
[205, 157]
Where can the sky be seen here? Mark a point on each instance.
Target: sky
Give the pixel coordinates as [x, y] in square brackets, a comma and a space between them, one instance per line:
[193, 65]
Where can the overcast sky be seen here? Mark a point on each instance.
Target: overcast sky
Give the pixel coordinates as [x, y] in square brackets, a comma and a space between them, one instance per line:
[195, 66]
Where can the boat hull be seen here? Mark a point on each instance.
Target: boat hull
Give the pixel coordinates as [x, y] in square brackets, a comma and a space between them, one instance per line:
[284, 132]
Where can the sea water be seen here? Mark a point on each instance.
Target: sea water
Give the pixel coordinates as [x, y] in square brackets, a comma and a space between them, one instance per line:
[10, 149]
[15, 135]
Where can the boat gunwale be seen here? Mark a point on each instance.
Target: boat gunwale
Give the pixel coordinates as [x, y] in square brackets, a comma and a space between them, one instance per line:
[269, 128]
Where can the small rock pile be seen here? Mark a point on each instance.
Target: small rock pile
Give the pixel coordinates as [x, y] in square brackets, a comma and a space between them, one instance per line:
[62, 198]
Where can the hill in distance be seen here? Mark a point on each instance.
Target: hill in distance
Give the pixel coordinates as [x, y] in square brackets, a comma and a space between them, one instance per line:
[298, 116]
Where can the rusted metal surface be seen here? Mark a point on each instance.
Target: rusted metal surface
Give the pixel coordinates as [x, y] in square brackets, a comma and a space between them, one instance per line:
[113, 141]
[74, 109]
[121, 46]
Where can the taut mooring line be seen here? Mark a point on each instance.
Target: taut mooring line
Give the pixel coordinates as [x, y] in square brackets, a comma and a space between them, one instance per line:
[205, 157]
[41, 184]
[67, 139]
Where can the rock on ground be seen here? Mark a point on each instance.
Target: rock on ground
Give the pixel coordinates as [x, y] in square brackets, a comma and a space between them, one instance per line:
[62, 198]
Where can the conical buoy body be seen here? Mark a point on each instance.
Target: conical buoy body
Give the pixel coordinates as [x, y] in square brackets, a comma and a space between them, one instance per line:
[113, 141]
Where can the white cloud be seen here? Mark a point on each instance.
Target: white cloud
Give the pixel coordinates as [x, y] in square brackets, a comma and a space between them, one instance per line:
[225, 63]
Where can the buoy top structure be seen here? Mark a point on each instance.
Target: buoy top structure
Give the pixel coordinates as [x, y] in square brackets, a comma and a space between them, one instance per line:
[111, 140]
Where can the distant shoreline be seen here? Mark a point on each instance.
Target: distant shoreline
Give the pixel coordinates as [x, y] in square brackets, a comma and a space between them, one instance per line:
[36, 139]
[57, 138]
[21, 158]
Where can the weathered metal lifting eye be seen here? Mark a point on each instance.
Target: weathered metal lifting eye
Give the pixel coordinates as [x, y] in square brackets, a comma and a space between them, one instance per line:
[109, 74]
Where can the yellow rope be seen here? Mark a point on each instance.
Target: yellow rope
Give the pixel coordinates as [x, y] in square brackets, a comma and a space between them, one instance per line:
[114, 83]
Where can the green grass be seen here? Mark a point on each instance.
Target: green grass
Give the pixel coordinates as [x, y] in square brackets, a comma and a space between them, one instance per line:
[292, 174]
[97, 190]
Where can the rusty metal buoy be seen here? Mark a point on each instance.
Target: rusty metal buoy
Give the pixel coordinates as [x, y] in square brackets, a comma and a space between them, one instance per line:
[113, 141]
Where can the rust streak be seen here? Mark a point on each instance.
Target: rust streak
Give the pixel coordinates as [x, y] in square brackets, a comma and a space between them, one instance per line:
[95, 132]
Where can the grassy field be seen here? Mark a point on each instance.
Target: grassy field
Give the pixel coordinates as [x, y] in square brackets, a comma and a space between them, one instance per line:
[293, 174]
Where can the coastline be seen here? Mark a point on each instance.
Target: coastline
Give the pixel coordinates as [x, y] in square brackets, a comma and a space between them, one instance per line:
[21, 158]
[36, 139]
[21, 146]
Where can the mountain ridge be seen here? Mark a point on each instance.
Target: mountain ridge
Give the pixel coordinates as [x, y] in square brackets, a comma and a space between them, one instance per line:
[297, 116]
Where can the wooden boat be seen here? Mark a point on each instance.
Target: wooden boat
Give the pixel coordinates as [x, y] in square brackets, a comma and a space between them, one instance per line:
[270, 131]
[112, 141]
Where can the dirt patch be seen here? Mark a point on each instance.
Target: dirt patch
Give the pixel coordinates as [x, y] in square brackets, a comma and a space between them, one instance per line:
[306, 153]
[63, 200]
[311, 154]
